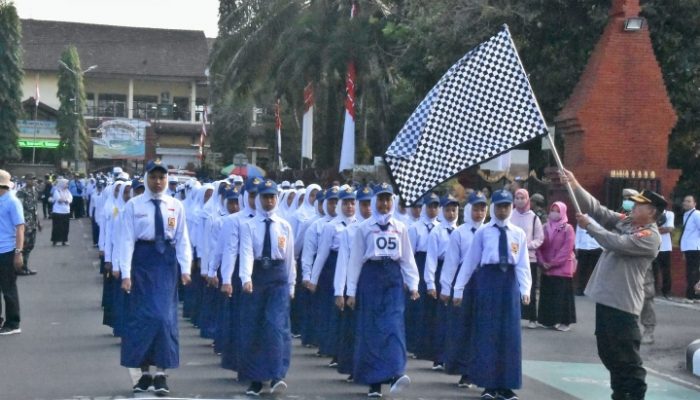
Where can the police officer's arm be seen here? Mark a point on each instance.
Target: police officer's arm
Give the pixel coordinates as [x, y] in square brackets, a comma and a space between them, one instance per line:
[644, 243]
[246, 255]
[590, 205]
[450, 264]
[289, 259]
[431, 260]
[183, 247]
[324, 249]
[471, 261]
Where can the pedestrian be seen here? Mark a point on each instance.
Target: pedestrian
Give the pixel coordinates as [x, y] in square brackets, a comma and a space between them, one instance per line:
[60, 212]
[46, 190]
[11, 247]
[77, 189]
[557, 308]
[588, 252]
[630, 244]
[381, 263]
[95, 209]
[268, 276]
[499, 264]
[525, 218]
[29, 196]
[154, 242]
[690, 245]
[662, 264]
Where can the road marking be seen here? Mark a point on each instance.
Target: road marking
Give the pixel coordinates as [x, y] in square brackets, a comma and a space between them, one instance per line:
[673, 378]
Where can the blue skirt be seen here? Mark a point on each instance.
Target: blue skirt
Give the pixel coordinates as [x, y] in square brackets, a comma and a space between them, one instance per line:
[209, 312]
[107, 301]
[308, 307]
[496, 341]
[329, 315]
[380, 334]
[437, 315]
[346, 341]
[297, 308]
[151, 332]
[417, 327]
[265, 339]
[120, 308]
[457, 353]
[228, 344]
[188, 297]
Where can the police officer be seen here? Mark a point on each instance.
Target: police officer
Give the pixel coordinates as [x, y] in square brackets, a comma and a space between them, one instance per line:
[630, 244]
[29, 195]
[154, 242]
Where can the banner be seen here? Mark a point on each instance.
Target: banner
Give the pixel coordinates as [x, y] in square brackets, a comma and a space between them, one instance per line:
[121, 139]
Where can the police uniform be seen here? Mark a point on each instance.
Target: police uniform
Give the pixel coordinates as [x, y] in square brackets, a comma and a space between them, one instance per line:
[29, 198]
[498, 263]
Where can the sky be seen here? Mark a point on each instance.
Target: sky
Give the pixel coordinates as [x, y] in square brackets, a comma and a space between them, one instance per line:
[201, 15]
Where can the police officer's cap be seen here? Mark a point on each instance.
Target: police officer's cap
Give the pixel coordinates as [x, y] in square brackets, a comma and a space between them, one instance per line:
[364, 193]
[348, 194]
[447, 200]
[383, 188]
[156, 165]
[627, 192]
[332, 193]
[650, 197]
[251, 184]
[267, 186]
[502, 197]
[477, 198]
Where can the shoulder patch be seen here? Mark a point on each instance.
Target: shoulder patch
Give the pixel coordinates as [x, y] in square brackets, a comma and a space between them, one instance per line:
[643, 233]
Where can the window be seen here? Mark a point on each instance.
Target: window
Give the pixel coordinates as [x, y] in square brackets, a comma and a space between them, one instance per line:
[112, 105]
[145, 107]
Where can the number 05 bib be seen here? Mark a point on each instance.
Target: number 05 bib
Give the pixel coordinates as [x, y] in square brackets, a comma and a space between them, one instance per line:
[386, 244]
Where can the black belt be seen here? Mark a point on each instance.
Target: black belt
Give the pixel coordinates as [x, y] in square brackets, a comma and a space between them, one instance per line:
[140, 241]
[267, 263]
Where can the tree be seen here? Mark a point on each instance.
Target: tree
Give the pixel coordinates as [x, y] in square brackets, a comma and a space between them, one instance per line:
[11, 75]
[71, 95]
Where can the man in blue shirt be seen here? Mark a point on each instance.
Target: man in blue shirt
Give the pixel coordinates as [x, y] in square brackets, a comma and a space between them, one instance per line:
[11, 244]
[77, 190]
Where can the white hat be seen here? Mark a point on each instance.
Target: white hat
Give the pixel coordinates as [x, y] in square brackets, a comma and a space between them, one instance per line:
[123, 176]
[237, 179]
[284, 185]
[299, 184]
[172, 179]
[117, 170]
[5, 179]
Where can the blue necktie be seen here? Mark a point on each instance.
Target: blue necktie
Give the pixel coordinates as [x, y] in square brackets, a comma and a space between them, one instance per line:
[267, 242]
[160, 232]
[430, 226]
[502, 246]
[384, 227]
[473, 229]
[449, 230]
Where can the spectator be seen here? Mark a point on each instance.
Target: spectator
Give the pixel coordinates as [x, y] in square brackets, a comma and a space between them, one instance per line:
[11, 245]
[62, 199]
[690, 244]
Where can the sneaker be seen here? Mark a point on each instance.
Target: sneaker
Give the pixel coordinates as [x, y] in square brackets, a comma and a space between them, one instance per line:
[333, 363]
[437, 366]
[296, 335]
[350, 379]
[532, 325]
[507, 395]
[375, 391]
[278, 386]
[254, 389]
[66, 243]
[647, 337]
[489, 394]
[144, 384]
[399, 384]
[464, 382]
[160, 385]
[411, 356]
[5, 331]
[562, 327]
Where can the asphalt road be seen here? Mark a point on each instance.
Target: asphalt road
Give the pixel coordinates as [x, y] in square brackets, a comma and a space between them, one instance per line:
[65, 353]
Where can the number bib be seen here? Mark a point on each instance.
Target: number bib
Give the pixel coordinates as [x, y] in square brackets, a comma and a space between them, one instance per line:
[386, 244]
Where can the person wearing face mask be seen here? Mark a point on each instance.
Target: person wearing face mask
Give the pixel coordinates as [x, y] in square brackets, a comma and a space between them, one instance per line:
[557, 308]
[457, 358]
[323, 274]
[417, 332]
[381, 263]
[627, 203]
[526, 219]
[499, 264]
[436, 312]
[268, 276]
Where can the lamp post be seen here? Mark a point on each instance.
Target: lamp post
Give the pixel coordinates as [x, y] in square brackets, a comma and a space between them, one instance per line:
[76, 99]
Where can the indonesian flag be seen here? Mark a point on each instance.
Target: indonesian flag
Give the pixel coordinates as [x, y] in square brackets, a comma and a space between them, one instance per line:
[278, 129]
[347, 151]
[203, 134]
[36, 96]
[307, 131]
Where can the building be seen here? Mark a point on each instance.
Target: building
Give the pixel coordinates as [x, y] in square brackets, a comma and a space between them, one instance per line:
[149, 86]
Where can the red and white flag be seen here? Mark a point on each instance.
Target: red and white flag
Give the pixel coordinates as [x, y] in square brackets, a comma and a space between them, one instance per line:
[347, 151]
[278, 129]
[203, 133]
[37, 98]
[307, 131]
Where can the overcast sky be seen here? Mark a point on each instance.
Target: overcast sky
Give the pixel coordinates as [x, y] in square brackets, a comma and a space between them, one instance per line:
[201, 15]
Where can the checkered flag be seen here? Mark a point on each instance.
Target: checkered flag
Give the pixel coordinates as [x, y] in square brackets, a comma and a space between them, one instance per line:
[482, 107]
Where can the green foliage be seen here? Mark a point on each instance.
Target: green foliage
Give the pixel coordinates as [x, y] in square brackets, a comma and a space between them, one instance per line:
[70, 119]
[11, 74]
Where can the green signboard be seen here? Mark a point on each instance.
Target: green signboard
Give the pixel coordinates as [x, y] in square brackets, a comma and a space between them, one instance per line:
[40, 144]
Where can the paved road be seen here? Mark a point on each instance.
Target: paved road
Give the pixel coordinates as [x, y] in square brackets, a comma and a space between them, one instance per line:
[65, 353]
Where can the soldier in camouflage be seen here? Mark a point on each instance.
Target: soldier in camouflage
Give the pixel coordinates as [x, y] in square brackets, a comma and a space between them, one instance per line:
[29, 196]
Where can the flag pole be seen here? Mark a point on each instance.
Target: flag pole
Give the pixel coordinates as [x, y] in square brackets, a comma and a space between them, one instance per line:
[561, 168]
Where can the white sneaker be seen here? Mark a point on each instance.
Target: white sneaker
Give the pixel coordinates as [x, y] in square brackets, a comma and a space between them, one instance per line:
[10, 331]
[562, 327]
[278, 386]
[532, 325]
[400, 384]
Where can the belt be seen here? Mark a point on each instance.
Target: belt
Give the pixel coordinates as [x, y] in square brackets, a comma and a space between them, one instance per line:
[381, 261]
[267, 263]
[170, 242]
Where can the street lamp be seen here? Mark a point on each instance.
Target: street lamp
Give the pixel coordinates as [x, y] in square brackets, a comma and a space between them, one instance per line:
[76, 99]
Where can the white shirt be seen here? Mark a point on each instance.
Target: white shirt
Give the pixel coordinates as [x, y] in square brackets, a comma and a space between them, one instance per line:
[690, 239]
[230, 243]
[666, 244]
[138, 224]
[438, 240]
[460, 242]
[330, 241]
[418, 233]
[484, 250]
[583, 240]
[341, 266]
[364, 248]
[311, 239]
[252, 235]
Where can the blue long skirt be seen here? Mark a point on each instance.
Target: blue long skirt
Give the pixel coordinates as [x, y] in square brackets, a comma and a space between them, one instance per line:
[230, 328]
[151, 332]
[346, 341]
[457, 353]
[296, 305]
[380, 334]
[107, 301]
[209, 312]
[329, 315]
[436, 318]
[418, 330]
[308, 306]
[188, 297]
[265, 339]
[120, 308]
[496, 341]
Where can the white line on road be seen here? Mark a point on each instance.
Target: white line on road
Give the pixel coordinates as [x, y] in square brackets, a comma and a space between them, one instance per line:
[673, 378]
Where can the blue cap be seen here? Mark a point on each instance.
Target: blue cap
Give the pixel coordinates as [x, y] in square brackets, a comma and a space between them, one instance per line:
[222, 189]
[136, 183]
[332, 193]
[267, 186]
[156, 164]
[447, 200]
[348, 194]
[364, 193]
[431, 198]
[231, 194]
[321, 195]
[383, 188]
[477, 198]
[501, 197]
[251, 184]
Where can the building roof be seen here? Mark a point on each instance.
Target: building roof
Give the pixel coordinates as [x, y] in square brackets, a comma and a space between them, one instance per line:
[119, 50]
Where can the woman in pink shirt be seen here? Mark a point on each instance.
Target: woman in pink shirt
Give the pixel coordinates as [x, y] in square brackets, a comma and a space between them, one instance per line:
[556, 256]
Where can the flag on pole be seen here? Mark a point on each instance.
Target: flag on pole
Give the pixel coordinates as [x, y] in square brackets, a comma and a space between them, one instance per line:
[482, 107]
[347, 151]
[278, 129]
[37, 98]
[203, 133]
[307, 131]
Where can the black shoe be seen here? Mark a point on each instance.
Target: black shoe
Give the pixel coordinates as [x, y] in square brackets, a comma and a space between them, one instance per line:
[254, 389]
[350, 379]
[399, 384]
[438, 366]
[160, 385]
[278, 386]
[144, 384]
[333, 363]
[489, 394]
[375, 391]
[66, 244]
[507, 395]
[464, 382]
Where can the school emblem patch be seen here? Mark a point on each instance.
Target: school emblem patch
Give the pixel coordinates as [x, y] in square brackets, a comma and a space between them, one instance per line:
[171, 222]
[281, 242]
[514, 247]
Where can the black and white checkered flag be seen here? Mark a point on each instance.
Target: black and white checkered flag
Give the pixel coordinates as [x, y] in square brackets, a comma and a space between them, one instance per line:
[482, 107]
